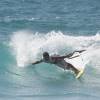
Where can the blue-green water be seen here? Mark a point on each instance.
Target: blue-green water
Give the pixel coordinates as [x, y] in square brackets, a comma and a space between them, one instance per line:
[30, 27]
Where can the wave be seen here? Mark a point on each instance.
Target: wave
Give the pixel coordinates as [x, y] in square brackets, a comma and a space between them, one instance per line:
[27, 47]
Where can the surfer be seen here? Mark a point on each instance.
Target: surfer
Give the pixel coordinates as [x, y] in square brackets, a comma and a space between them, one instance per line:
[59, 61]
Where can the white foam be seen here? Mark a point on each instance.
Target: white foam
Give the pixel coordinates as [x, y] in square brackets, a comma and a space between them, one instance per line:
[28, 47]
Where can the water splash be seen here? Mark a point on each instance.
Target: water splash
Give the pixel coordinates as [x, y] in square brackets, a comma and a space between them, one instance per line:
[28, 47]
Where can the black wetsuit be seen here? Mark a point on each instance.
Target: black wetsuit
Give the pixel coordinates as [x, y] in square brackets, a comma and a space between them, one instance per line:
[59, 61]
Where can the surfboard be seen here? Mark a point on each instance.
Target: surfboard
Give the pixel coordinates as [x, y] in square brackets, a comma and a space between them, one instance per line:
[77, 62]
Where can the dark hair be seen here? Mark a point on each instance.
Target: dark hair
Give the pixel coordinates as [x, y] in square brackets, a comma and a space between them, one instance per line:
[45, 54]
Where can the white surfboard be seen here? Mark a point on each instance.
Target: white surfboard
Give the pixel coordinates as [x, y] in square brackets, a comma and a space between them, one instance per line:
[78, 63]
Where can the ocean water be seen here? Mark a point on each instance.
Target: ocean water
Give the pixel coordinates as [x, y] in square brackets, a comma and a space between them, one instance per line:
[30, 27]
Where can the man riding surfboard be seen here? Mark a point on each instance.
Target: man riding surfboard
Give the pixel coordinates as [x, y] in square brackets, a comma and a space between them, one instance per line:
[59, 61]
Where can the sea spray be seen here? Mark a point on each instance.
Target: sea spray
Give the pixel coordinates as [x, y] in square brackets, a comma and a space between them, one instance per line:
[28, 47]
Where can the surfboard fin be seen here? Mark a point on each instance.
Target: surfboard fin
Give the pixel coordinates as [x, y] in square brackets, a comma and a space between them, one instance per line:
[80, 73]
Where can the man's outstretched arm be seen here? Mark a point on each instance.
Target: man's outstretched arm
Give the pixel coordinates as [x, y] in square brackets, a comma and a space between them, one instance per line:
[71, 54]
[37, 62]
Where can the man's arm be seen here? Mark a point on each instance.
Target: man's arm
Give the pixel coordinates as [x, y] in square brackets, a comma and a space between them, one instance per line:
[37, 62]
[71, 54]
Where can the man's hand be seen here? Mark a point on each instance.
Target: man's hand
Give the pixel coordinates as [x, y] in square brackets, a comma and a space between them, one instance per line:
[36, 62]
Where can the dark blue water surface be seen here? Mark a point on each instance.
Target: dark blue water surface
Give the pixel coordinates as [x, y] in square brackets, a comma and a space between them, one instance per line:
[80, 17]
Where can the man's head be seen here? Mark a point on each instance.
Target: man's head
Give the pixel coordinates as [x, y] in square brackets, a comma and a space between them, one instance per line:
[46, 55]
